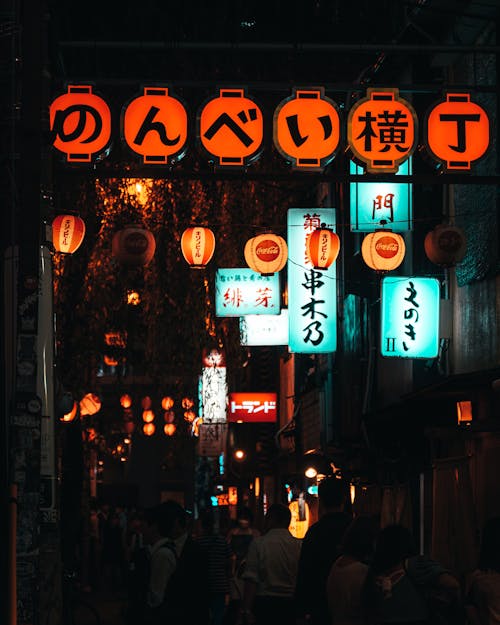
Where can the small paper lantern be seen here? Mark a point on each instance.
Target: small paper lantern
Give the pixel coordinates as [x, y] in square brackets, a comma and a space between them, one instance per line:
[125, 401]
[322, 247]
[198, 246]
[169, 416]
[70, 416]
[133, 246]
[266, 253]
[169, 429]
[68, 232]
[128, 427]
[187, 403]
[148, 429]
[148, 416]
[189, 416]
[146, 402]
[167, 403]
[383, 250]
[445, 245]
[110, 361]
[90, 404]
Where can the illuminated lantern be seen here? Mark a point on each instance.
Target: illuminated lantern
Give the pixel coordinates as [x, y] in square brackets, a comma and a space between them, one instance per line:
[167, 403]
[148, 416]
[197, 245]
[233, 143]
[266, 253]
[187, 403]
[68, 232]
[110, 361]
[457, 132]
[125, 401]
[148, 429]
[133, 298]
[90, 404]
[169, 429]
[70, 416]
[80, 124]
[322, 247]
[445, 245]
[169, 416]
[146, 402]
[141, 120]
[189, 416]
[306, 129]
[383, 250]
[133, 246]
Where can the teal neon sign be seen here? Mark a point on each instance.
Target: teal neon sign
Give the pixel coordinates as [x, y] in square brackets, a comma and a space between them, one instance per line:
[312, 293]
[381, 204]
[410, 317]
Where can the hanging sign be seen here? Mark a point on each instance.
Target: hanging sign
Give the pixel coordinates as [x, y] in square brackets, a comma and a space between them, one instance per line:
[212, 439]
[154, 125]
[312, 293]
[258, 330]
[231, 128]
[382, 130]
[80, 124]
[243, 292]
[306, 129]
[381, 204]
[252, 408]
[410, 317]
[457, 132]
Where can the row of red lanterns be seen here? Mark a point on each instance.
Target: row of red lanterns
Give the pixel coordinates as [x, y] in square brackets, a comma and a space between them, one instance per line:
[267, 253]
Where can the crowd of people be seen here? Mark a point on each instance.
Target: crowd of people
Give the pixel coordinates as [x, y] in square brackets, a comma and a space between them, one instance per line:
[345, 571]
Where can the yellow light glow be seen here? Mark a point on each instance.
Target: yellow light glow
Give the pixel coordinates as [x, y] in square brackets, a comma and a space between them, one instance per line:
[311, 472]
[239, 454]
[352, 490]
[464, 412]
[257, 487]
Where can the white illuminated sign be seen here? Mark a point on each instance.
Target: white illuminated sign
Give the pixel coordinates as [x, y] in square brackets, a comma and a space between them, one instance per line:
[214, 394]
[264, 329]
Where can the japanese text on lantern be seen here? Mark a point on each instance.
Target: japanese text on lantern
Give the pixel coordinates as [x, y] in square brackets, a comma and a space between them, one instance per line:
[410, 317]
[311, 292]
[243, 291]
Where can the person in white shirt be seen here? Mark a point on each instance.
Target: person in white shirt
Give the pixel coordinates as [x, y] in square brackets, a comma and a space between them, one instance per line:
[271, 571]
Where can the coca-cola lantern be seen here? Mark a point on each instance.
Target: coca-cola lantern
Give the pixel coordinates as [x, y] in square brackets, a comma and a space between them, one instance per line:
[133, 246]
[383, 250]
[68, 232]
[322, 247]
[445, 245]
[198, 246]
[266, 253]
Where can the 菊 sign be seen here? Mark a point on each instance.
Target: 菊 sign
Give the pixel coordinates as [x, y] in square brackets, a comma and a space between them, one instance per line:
[312, 293]
[410, 317]
[252, 407]
[381, 204]
[243, 292]
[264, 329]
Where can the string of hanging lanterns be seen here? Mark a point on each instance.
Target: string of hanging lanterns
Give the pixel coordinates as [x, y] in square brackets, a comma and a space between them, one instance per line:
[267, 253]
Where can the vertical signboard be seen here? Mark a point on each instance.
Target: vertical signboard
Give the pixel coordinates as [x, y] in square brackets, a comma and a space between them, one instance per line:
[381, 204]
[410, 317]
[312, 293]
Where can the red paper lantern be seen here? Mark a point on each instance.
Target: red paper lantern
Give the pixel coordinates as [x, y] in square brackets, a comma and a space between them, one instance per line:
[167, 402]
[68, 232]
[322, 247]
[148, 416]
[133, 246]
[445, 245]
[383, 250]
[148, 429]
[198, 245]
[266, 253]
[125, 401]
[90, 404]
[70, 416]
[169, 429]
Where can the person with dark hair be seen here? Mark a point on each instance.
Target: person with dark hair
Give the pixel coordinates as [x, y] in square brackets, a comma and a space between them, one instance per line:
[483, 598]
[404, 588]
[348, 573]
[219, 566]
[271, 571]
[177, 563]
[320, 549]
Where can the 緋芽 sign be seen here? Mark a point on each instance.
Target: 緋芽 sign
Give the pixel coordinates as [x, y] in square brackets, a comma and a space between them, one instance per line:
[312, 293]
[243, 292]
[410, 317]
